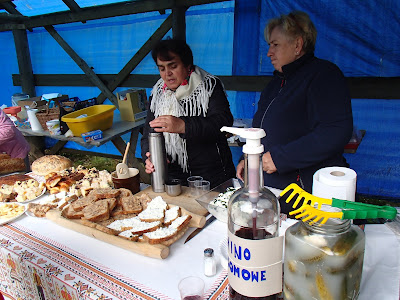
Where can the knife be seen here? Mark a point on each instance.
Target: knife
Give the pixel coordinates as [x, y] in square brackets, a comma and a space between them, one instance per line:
[194, 233]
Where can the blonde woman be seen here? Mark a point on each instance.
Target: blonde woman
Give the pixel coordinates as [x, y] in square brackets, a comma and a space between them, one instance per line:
[305, 109]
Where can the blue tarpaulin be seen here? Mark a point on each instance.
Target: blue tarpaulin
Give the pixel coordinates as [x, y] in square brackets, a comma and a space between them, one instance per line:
[227, 39]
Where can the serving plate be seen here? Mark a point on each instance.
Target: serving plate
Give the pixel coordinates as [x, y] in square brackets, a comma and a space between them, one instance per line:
[4, 220]
[219, 209]
[30, 200]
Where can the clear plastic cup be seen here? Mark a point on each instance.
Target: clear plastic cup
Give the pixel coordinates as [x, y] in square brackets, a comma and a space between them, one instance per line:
[191, 288]
[201, 187]
[191, 181]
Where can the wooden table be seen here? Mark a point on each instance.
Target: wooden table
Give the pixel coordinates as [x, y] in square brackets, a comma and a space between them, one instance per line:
[40, 257]
[119, 127]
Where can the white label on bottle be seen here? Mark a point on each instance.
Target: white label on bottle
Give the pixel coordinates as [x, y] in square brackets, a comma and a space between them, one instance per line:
[255, 266]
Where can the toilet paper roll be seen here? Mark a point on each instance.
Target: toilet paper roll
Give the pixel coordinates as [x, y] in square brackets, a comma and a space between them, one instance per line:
[35, 124]
[335, 182]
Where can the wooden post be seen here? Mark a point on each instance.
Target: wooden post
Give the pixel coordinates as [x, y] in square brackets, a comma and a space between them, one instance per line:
[179, 23]
[24, 61]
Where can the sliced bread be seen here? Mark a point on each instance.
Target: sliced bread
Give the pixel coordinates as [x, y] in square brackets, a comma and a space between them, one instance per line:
[131, 205]
[105, 193]
[129, 235]
[181, 222]
[97, 211]
[152, 215]
[69, 213]
[157, 203]
[81, 203]
[171, 214]
[160, 235]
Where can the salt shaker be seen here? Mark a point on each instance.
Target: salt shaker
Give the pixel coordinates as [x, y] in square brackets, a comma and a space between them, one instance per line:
[210, 267]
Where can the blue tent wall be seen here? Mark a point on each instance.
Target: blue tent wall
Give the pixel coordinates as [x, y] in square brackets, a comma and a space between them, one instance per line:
[227, 38]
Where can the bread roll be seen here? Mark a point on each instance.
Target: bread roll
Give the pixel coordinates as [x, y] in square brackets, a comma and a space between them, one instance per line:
[50, 163]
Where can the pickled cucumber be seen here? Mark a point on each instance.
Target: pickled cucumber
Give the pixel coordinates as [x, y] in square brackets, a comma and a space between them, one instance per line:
[345, 243]
[323, 290]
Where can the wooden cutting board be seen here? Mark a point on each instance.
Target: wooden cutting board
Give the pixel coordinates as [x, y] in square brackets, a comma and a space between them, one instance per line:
[185, 200]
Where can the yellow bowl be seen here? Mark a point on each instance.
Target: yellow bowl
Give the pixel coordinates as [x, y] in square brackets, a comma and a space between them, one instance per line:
[98, 117]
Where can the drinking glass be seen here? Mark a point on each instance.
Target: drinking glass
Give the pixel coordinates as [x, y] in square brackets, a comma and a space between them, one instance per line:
[201, 187]
[191, 288]
[191, 181]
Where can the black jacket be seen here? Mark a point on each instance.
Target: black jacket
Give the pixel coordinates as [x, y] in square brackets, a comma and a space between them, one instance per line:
[208, 152]
[306, 114]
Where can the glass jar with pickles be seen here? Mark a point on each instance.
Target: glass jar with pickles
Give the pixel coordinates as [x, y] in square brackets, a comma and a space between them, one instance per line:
[323, 261]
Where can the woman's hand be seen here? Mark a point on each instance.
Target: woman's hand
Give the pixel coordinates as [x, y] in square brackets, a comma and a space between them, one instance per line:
[168, 123]
[149, 167]
[240, 170]
[268, 164]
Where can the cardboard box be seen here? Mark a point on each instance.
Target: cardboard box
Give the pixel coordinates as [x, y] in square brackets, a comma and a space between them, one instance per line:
[92, 135]
[132, 104]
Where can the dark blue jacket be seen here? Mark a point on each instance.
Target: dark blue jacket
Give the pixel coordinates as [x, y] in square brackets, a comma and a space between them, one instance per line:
[306, 114]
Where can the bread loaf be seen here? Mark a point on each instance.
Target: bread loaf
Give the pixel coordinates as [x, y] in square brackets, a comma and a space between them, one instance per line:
[50, 163]
[10, 165]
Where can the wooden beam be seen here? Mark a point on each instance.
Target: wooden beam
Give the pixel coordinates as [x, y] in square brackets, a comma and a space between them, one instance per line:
[110, 10]
[179, 22]
[360, 87]
[24, 62]
[11, 26]
[96, 81]
[138, 57]
[9, 7]
[133, 80]
[12, 17]
[72, 5]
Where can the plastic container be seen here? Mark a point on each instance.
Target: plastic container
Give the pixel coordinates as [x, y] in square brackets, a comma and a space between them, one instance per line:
[92, 135]
[323, 262]
[13, 110]
[54, 127]
[95, 117]
[17, 97]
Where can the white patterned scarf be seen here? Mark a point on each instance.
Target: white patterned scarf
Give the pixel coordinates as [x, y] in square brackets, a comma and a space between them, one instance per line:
[187, 100]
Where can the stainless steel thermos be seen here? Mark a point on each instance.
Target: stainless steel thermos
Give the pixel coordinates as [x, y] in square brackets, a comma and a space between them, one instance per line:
[158, 157]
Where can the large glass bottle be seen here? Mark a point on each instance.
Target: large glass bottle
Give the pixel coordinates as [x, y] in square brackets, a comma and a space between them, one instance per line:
[254, 246]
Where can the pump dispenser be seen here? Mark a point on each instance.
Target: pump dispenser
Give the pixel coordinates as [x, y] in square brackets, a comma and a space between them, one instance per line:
[254, 246]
